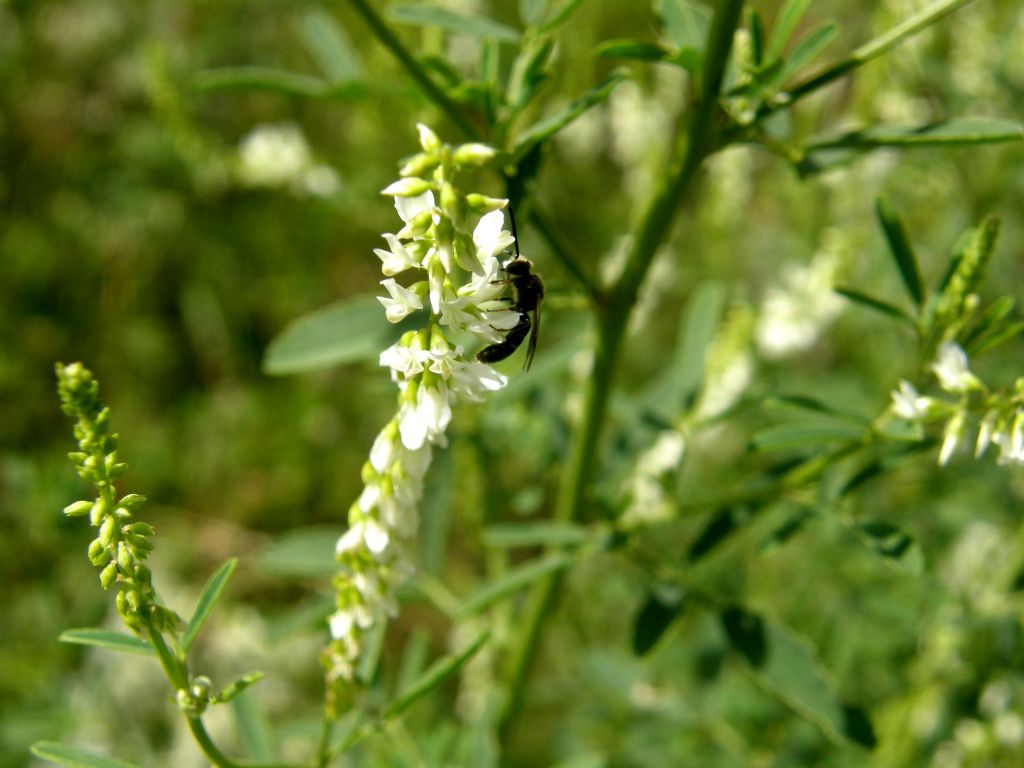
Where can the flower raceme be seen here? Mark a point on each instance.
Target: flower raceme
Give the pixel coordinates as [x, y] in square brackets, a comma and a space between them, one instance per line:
[450, 242]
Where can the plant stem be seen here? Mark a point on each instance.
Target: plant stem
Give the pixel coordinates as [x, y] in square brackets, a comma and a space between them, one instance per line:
[612, 316]
[414, 68]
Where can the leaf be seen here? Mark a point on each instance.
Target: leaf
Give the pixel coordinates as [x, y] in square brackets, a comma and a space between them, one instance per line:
[677, 387]
[658, 613]
[876, 304]
[528, 72]
[989, 340]
[530, 11]
[253, 729]
[714, 533]
[207, 599]
[559, 15]
[436, 674]
[965, 131]
[462, 24]
[685, 24]
[306, 552]
[786, 666]
[789, 16]
[267, 79]
[798, 434]
[513, 581]
[639, 50]
[542, 533]
[902, 251]
[545, 129]
[806, 50]
[329, 45]
[112, 641]
[810, 405]
[892, 543]
[373, 646]
[62, 754]
[351, 330]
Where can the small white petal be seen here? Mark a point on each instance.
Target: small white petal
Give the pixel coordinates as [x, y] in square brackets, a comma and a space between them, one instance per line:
[410, 207]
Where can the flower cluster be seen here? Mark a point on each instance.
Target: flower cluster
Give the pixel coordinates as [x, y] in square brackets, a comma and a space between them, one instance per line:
[122, 546]
[1001, 413]
[279, 156]
[451, 243]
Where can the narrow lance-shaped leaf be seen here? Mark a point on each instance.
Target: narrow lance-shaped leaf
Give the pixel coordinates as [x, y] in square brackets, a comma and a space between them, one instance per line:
[965, 131]
[514, 581]
[253, 729]
[472, 26]
[686, 26]
[545, 129]
[306, 552]
[902, 252]
[789, 16]
[207, 599]
[639, 50]
[795, 435]
[330, 46]
[657, 614]
[806, 50]
[73, 757]
[264, 78]
[876, 304]
[547, 533]
[104, 638]
[435, 675]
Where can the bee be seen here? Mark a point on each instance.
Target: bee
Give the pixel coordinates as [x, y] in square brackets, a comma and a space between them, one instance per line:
[528, 293]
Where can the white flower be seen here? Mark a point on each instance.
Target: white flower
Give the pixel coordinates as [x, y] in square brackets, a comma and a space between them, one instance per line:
[385, 450]
[950, 368]
[349, 542]
[341, 624]
[426, 418]
[398, 259]
[1011, 445]
[985, 433]
[487, 284]
[410, 207]
[489, 237]
[404, 361]
[274, 155]
[908, 404]
[470, 379]
[951, 437]
[402, 301]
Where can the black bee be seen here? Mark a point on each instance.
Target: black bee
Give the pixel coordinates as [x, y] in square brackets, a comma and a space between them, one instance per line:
[528, 293]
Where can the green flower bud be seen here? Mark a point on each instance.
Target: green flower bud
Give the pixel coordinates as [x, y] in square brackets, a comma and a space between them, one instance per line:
[473, 155]
[98, 554]
[132, 501]
[419, 165]
[99, 511]
[124, 556]
[143, 529]
[138, 543]
[108, 576]
[79, 508]
[408, 187]
[428, 139]
[108, 531]
[482, 204]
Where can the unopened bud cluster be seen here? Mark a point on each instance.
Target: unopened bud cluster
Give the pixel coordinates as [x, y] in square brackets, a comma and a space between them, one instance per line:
[450, 244]
[121, 545]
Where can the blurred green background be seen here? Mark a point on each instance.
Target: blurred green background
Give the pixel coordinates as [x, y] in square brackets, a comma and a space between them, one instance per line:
[139, 235]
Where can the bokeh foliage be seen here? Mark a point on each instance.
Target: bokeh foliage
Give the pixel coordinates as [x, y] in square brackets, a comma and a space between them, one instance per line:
[129, 241]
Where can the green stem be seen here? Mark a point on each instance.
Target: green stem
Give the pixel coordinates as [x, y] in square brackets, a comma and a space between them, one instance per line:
[613, 314]
[413, 67]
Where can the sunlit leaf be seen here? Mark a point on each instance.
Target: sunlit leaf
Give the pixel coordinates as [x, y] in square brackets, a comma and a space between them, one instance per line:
[685, 24]
[329, 44]
[104, 638]
[73, 757]
[785, 22]
[436, 675]
[639, 50]
[352, 330]
[807, 49]
[306, 552]
[462, 24]
[207, 599]
[958, 132]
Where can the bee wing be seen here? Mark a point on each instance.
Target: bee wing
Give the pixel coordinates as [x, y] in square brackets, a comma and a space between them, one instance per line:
[531, 345]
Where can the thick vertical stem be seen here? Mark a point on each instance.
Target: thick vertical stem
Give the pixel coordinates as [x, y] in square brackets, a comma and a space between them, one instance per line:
[613, 314]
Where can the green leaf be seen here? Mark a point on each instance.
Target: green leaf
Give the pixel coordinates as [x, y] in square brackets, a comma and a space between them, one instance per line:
[799, 434]
[267, 79]
[112, 641]
[307, 552]
[559, 15]
[902, 251]
[876, 304]
[786, 666]
[73, 757]
[329, 45]
[789, 16]
[685, 25]
[528, 72]
[207, 599]
[543, 533]
[895, 545]
[461, 24]
[253, 729]
[373, 646]
[656, 615]
[545, 129]
[514, 581]
[436, 674]
[234, 690]
[814, 407]
[966, 131]
[987, 341]
[806, 50]
[717, 530]
[639, 50]
[677, 387]
[351, 330]
[530, 11]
